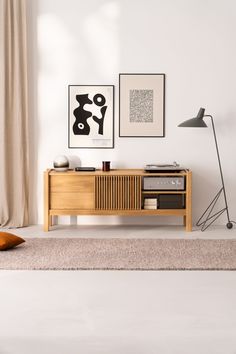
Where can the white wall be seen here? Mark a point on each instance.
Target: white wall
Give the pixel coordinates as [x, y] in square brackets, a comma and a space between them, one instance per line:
[92, 41]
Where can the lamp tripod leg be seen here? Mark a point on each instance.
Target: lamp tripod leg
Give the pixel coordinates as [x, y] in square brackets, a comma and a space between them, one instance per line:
[207, 218]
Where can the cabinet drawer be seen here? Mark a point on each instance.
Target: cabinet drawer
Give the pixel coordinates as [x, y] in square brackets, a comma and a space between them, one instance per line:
[68, 200]
[72, 184]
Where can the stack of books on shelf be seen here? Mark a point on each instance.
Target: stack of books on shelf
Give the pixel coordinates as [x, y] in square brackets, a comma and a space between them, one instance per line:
[150, 203]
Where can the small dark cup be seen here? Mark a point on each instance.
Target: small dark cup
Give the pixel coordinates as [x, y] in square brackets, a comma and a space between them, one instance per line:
[106, 165]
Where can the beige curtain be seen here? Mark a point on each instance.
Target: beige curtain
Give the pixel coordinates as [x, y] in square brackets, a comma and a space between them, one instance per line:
[13, 114]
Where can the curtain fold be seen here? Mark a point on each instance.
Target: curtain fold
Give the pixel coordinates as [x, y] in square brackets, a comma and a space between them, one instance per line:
[14, 155]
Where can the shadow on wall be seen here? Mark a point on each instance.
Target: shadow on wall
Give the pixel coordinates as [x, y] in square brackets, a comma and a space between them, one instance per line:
[72, 49]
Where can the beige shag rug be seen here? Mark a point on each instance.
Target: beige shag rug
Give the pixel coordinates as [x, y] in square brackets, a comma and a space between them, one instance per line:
[120, 254]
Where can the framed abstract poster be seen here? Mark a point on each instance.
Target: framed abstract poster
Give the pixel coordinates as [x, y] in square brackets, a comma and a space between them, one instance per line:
[142, 105]
[91, 116]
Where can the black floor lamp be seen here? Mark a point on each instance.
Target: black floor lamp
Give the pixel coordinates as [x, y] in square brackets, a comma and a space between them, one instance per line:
[208, 217]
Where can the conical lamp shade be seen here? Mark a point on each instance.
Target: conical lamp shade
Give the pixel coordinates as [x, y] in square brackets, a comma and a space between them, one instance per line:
[196, 122]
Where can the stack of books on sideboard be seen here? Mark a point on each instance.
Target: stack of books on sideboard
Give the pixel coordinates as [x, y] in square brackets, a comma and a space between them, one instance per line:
[150, 203]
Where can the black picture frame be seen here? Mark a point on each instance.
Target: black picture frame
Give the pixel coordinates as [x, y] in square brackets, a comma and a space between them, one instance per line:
[142, 105]
[98, 133]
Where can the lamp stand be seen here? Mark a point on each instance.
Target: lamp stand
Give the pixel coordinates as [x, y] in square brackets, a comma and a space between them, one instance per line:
[208, 217]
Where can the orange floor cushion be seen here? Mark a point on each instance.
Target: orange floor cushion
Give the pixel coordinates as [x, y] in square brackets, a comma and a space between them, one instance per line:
[8, 240]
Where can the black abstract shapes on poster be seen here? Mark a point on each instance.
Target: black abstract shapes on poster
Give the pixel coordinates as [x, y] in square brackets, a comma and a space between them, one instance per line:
[99, 99]
[81, 126]
[100, 121]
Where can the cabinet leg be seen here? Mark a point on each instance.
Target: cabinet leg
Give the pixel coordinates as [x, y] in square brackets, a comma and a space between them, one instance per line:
[46, 201]
[46, 227]
[46, 223]
[188, 207]
[188, 224]
[184, 220]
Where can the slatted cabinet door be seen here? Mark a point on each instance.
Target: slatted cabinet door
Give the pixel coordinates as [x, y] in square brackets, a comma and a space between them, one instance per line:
[118, 192]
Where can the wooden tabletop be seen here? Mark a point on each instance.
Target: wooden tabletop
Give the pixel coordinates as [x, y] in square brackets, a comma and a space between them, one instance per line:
[118, 172]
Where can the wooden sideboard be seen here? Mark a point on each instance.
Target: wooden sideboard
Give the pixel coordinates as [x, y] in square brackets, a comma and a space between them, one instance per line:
[117, 192]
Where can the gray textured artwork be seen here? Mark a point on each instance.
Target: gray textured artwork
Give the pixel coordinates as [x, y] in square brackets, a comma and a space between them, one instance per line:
[141, 106]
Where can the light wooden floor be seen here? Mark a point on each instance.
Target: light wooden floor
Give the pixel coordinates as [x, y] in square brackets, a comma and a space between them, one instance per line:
[114, 312]
[124, 231]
